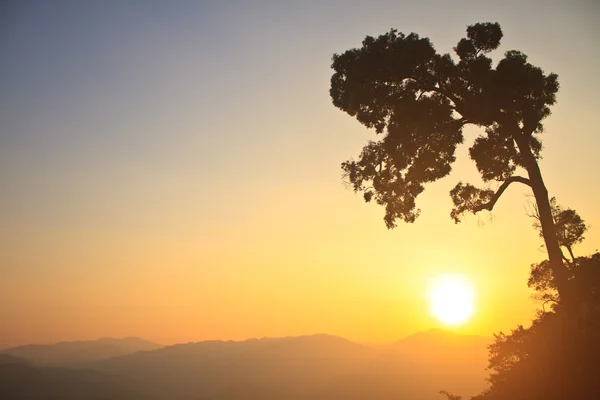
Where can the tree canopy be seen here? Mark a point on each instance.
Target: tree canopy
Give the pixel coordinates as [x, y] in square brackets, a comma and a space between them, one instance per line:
[419, 100]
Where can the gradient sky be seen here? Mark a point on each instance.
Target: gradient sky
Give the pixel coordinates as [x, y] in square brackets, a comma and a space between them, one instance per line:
[171, 170]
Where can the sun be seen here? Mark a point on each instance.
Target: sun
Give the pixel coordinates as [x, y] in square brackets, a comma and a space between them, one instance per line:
[451, 299]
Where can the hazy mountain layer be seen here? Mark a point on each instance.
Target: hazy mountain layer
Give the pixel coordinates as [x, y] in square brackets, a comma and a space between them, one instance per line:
[22, 381]
[71, 353]
[317, 367]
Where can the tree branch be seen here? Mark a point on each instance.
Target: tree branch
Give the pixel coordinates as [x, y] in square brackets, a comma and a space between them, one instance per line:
[458, 107]
[571, 253]
[463, 121]
[490, 204]
[547, 301]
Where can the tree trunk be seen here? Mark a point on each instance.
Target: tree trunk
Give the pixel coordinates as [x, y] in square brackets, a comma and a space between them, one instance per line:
[555, 256]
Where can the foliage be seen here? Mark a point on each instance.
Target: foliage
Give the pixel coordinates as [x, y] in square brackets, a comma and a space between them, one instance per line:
[552, 359]
[582, 274]
[419, 100]
[545, 361]
[549, 360]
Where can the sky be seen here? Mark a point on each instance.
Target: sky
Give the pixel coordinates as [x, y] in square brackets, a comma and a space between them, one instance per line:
[171, 170]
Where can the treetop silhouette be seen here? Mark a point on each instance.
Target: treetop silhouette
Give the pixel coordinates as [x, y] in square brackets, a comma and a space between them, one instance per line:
[420, 100]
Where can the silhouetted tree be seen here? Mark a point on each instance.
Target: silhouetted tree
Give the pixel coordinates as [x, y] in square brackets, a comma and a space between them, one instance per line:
[420, 100]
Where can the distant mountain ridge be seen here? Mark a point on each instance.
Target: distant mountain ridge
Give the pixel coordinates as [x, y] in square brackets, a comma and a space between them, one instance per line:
[315, 367]
[267, 368]
[79, 352]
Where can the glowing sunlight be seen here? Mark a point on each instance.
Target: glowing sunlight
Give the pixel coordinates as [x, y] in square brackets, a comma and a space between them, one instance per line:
[451, 299]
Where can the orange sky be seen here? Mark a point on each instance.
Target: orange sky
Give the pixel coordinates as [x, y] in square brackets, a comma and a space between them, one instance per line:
[174, 174]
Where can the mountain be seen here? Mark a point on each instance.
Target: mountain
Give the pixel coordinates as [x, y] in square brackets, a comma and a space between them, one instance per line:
[8, 359]
[20, 380]
[317, 367]
[74, 353]
[269, 368]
